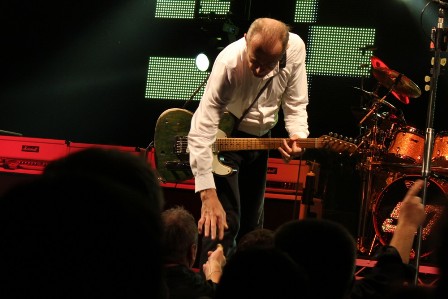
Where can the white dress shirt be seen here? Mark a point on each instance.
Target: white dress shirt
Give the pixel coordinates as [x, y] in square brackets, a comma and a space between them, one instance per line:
[232, 87]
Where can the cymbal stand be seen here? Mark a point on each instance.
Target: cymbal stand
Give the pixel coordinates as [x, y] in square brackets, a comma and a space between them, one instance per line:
[363, 76]
[366, 190]
[367, 176]
[437, 44]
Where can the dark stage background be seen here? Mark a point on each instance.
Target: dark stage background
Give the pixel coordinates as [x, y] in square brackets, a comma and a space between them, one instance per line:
[71, 72]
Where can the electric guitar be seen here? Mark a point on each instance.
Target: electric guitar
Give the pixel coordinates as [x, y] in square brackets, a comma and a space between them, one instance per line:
[171, 145]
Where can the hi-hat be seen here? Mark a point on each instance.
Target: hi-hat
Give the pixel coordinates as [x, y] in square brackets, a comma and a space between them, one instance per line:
[402, 89]
[376, 98]
[366, 93]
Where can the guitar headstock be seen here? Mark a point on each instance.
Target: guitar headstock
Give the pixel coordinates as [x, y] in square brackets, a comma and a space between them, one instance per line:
[339, 143]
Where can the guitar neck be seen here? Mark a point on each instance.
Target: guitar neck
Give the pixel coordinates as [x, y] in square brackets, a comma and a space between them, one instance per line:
[234, 144]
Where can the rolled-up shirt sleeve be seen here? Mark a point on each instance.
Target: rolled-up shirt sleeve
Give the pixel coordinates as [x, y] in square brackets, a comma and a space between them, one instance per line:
[204, 127]
[295, 98]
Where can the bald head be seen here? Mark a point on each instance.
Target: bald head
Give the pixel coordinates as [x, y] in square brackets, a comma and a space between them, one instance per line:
[270, 31]
[266, 40]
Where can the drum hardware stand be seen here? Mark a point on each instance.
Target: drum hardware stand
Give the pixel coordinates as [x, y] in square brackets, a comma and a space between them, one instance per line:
[366, 191]
[375, 107]
[437, 44]
[372, 244]
[364, 65]
[367, 178]
[384, 74]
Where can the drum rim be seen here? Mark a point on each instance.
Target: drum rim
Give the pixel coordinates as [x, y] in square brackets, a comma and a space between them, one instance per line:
[442, 133]
[410, 129]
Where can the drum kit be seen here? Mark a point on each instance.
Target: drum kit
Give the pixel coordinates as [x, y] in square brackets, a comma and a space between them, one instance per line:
[390, 160]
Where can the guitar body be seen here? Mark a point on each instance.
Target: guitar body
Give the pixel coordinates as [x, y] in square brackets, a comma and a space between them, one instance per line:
[172, 166]
[170, 145]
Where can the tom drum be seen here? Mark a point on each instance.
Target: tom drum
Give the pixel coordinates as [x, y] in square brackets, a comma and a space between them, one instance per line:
[440, 150]
[407, 146]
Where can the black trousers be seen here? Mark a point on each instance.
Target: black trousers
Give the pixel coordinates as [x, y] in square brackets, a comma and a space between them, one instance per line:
[241, 195]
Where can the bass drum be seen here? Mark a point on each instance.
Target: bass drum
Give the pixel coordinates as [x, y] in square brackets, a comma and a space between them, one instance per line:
[386, 210]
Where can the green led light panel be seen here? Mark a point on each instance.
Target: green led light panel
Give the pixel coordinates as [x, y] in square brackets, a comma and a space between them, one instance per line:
[175, 9]
[172, 78]
[184, 9]
[335, 51]
[306, 11]
[218, 7]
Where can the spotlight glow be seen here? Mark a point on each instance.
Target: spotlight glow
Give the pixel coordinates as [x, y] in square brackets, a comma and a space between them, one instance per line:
[202, 62]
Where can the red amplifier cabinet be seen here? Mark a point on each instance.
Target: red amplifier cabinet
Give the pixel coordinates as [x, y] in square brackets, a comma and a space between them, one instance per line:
[29, 155]
[74, 147]
[284, 180]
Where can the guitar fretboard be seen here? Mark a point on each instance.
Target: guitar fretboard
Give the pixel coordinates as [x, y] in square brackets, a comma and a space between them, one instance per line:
[233, 144]
[238, 144]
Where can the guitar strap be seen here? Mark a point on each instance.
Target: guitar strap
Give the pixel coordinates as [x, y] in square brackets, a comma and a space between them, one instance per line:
[238, 121]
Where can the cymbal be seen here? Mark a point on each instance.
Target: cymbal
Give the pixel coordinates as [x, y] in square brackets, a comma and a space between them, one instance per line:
[401, 98]
[397, 91]
[404, 87]
[376, 62]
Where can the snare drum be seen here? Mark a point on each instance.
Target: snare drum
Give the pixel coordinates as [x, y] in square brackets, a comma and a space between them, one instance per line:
[386, 210]
[440, 151]
[407, 146]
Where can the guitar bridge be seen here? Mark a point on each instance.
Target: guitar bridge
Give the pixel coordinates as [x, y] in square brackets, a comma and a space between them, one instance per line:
[181, 145]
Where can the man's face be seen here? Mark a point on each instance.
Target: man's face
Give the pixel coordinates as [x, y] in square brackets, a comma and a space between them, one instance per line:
[262, 57]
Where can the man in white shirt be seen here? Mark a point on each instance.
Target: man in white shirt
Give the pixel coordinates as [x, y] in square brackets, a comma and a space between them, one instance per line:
[271, 59]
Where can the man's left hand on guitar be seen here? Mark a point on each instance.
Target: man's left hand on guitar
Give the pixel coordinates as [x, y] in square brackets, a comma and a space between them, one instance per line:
[290, 148]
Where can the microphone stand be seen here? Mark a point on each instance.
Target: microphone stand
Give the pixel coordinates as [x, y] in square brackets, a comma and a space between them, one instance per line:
[437, 37]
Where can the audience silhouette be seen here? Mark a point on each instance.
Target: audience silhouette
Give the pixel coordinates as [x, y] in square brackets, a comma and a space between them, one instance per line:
[257, 238]
[262, 273]
[328, 252]
[79, 233]
[121, 167]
